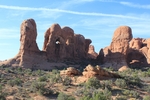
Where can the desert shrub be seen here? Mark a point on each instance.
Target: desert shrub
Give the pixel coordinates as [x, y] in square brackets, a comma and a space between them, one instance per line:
[15, 81]
[67, 81]
[42, 78]
[146, 97]
[146, 73]
[97, 95]
[55, 78]
[63, 96]
[107, 84]
[19, 70]
[84, 91]
[55, 71]
[109, 68]
[107, 93]
[126, 92]
[93, 82]
[40, 88]
[38, 72]
[28, 71]
[121, 98]
[2, 94]
[147, 88]
[134, 94]
[121, 83]
[79, 92]
[133, 81]
[131, 93]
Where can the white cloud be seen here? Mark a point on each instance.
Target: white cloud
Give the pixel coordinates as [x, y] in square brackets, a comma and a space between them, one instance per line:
[69, 12]
[130, 4]
[135, 5]
[106, 0]
[9, 33]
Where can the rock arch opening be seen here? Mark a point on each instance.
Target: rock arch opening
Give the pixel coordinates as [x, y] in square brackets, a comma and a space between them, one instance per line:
[57, 46]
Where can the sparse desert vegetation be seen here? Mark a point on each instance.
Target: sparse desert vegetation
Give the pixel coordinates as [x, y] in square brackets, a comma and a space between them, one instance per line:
[18, 83]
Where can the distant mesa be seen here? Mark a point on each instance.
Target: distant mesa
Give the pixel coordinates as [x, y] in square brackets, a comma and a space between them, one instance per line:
[62, 45]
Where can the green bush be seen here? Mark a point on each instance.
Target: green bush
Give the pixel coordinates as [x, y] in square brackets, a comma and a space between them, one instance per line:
[55, 78]
[40, 87]
[121, 98]
[147, 88]
[93, 82]
[107, 93]
[15, 81]
[63, 96]
[2, 94]
[146, 97]
[121, 83]
[42, 78]
[107, 84]
[133, 81]
[97, 95]
[131, 93]
[146, 73]
[55, 71]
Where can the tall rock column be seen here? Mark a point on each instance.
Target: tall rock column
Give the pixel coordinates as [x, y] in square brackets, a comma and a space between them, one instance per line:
[115, 54]
[28, 45]
[28, 36]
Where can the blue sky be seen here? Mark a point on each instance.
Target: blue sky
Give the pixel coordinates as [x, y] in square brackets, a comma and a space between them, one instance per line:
[95, 19]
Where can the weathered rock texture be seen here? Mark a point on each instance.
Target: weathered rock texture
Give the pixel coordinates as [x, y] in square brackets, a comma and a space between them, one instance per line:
[59, 44]
[62, 44]
[115, 54]
[89, 72]
[91, 53]
[139, 53]
[65, 44]
[71, 71]
[98, 72]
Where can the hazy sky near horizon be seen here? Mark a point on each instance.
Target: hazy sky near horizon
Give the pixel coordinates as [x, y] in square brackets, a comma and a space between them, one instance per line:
[95, 19]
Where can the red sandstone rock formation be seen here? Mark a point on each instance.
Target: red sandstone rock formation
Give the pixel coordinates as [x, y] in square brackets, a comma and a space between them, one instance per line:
[98, 72]
[91, 52]
[89, 72]
[138, 54]
[115, 55]
[71, 71]
[59, 44]
[64, 43]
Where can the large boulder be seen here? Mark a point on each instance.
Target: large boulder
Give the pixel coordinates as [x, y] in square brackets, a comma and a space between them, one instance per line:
[70, 71]
[98, 72]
